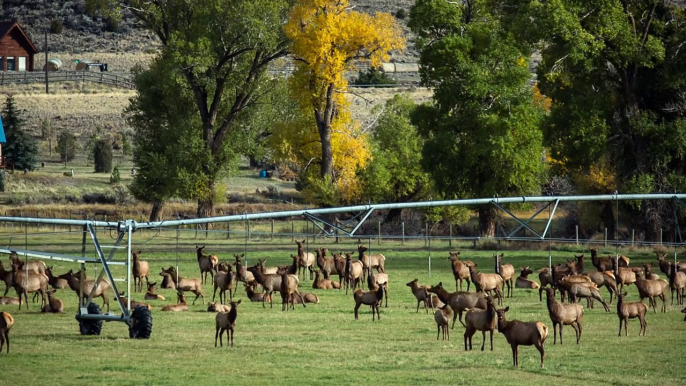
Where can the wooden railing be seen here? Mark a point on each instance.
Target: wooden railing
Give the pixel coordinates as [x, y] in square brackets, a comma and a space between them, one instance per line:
[107, 78]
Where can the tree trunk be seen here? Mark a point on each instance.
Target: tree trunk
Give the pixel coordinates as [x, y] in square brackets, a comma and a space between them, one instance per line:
[486, 221]
[156, 211]
[608, 218]
[327, 151]
[393, 215]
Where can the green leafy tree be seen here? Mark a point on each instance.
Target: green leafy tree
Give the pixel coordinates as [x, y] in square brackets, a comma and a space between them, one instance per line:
[102, 156]
[373, 76]
[21, 149]
[482, 131]
[217, 52]
[66, 146]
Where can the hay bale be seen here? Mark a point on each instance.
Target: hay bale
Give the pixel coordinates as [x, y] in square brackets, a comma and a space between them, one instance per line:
[53, 65]
[83, 65]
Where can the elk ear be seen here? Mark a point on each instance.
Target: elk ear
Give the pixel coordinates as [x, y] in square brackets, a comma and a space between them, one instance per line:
[239, 301]
[507, 308]
[440, 284]
[139, 252]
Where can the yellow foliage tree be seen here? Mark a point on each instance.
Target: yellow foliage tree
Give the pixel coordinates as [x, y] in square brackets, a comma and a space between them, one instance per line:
[327, 38]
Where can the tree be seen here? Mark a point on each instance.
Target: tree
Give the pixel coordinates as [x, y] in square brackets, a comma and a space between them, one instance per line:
[102, 156]
[21, 149]
[326, 40]
[219, 50]
[395, 174]
[616, 73]
[482, 130]
[66, 146]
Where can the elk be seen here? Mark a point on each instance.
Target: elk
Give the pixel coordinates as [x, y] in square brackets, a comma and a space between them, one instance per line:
[545, 276]
[480, 320]
[226, 321]
[58, 282]
[377, 261]
[421, 293]
[339, 263]
[370, 298]
[626, 311]
[321, 283]
[458, 301]
[217, 307]
[378, 280]
[288, 269]
[564, 315]
[134, 304]
[460, 270]
[442, 318]
[140, 270]
[9, 301]
[6, 323]
[253, 296]
[224, 281]
[7, 277]
[326, 264]
[25, 284]
[677, 283]
[650, 289]
[506, 272]
[523, 280]
[54, 305]
[522, 334]
[289, 290]
[353, 272]
[269, 282]
[85, 288]
[586, 290]
[305, 297]
[603, 279]
[604, 263]
[684, 312]
[207, 264]
[648, 274]
[577, 267]
[193, 285]
[306, 259]
[242, 273]
[664, 264]
[487, 282]
[32, 266]
[181, 304]
[150, 294]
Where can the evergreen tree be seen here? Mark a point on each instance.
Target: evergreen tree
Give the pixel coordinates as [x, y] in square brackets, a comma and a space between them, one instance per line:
[21, 149]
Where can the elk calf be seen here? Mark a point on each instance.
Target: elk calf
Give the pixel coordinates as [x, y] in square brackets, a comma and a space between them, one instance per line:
[54, 305]
[442, 317]
[226, 321]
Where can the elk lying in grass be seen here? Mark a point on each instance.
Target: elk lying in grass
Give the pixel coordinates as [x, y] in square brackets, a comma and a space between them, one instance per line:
[254, 296]
[370, 298]
[9, 301]
[480, 320]
[626, 311]
[217, 307]
[458, 301]
[226, 321]
[442, 318]
[604, 263]
[353, 272]
[487, 282]
[421, 293]
[206, 263]
[224, 281]
[377, 260]
[150, 294]
[522, 334]
[506, 272]
[24, 285]
[322, 283]
[376, 281]
[326, 264]
[134, 304]
[181, 304]
[289, 291]
[460, 270]
[183, 284]
[54, 305]
[269, 282]
[564, 315]
[603, 279]
[677, 283]
[305, 260]
[6, 323]
[305, 297]
[651, 289]
[523, 280]
[140, 270]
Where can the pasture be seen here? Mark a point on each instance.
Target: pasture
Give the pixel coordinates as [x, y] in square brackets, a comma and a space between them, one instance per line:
[322, 343]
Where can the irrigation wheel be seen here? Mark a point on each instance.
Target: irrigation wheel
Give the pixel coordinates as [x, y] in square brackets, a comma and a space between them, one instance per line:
[141, 323]
[90, 327]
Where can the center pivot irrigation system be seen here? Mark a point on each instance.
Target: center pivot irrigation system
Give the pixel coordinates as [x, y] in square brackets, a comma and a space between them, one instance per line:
[90, 318]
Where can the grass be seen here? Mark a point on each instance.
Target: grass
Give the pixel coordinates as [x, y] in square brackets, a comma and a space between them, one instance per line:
[323, 344]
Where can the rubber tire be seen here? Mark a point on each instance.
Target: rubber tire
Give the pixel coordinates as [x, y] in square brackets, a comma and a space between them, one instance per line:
[141, 323]
[91, 327]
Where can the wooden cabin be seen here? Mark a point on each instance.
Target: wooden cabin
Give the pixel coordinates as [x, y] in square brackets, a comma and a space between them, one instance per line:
[16, 49]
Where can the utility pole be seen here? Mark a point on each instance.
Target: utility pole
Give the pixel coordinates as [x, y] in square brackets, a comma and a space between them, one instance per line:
[47, 82]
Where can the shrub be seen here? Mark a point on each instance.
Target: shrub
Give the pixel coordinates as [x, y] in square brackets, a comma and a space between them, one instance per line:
[125, 144]
[56, 26]
[66, 146]
[373, 76]
[401, 14]
[102, 156]
[111, 24]
[115, 177]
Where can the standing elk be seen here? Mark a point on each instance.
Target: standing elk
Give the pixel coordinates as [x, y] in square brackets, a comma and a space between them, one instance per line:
[226, 321]
[651, 289]
[605, 263]
[603, 279]
[306, 260]
[487, 282]
[371, 298]
[564, 314]
[522, 334]
[339, 263]
[184, 284]
[32, 266]
[326, 264]
[458, 301]
[224, 281]
[289, 291]
[6, 323]
[377, 260]
[207, 264]
[442, 318]
[140, 270]
[460, 270]
[677, 283]
[269, 282]
[242, 273]
[480, 320]
[85, 288]
[421, 293]
[25, 284]
[506, 272]
[353, 272]
[376, 281]
[626, 311]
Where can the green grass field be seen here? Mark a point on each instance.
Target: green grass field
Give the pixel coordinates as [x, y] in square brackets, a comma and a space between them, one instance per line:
[323, 344]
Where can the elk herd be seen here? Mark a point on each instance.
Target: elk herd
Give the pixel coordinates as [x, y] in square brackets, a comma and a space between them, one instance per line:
[477, 311]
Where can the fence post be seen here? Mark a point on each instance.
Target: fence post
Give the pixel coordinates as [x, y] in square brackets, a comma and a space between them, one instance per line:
[632, 238]
[450, 238]
[577, 234]
[403, 223]
[605, 237]
[378, 238]
[228, 230]
[272, 236]
[660, 236]
[292, 231]
[426, 233]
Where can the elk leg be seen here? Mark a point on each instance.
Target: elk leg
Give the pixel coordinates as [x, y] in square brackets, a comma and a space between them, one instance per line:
[357, 307]
[540, 348]
[216, 335]
[483, 340]
[491, 340]
[231, 331]
[438, 331]
[7, 338]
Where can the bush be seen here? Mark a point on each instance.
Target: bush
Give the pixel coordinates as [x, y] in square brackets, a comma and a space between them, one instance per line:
[401, 14]
[125, 144]
[56, 26]
[115, 177]
[102, 156]
[373, 76]
[111, 24]
[66, 146]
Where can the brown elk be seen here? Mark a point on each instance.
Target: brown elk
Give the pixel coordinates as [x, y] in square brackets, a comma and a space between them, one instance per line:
[604, 263]
[57, 282]
[564, 315]
[377, 260]
[224, 281]
[353, 272]
[269, 282]
[480, 320]
[54, 305]
[31, 266]
[487, 282]
[85, 288]
[24, 285]
[183, 284]
[421, 293]
[664, 264]
[321, 283]
[217, 307]
[254, 296]
[651, 289]
[506, 272]
[376, 281]
[289, 291]
[6, 323]
[603, 279]
[134, 304]
[647, 274]
[9, 301]
[140, 270]
[150, 294]
[458, 301]
[226, 321]
[523, 280]
[522, 334]
[326, 264]
[339, 263]
[6, 276]
[370, 298]
[460, 270]
[207, 264]
[242, 273]
[677, 283]
[305, 297]
[442, 318]
[626, 311]
[180, 305]
[306, 260]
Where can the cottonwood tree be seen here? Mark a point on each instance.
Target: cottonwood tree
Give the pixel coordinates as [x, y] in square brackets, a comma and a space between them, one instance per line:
[482, 129]
[218, 52]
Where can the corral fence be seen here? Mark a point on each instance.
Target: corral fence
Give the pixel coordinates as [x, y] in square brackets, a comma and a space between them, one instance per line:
[122, 80]
[106, 242]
